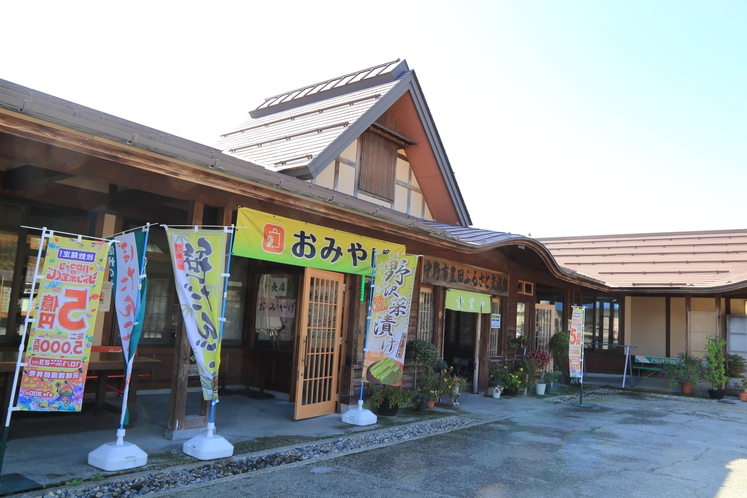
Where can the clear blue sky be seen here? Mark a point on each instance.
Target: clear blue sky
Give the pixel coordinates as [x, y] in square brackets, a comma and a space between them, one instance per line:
[558, 117]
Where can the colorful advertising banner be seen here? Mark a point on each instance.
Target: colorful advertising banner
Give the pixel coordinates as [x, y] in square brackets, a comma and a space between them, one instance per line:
[390, 315]
[59, 344]
[467, 302]
[199, 259]
[283, 240]
[576, 344]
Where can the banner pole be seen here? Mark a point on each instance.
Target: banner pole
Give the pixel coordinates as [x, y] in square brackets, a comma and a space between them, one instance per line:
[368, 314]
[131, 350]
[19, 360]
[222, 320]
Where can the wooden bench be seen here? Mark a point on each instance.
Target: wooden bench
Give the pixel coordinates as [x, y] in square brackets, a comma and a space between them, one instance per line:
[651, 364]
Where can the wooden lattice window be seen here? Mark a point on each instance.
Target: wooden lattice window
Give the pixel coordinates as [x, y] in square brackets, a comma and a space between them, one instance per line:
[378, 163]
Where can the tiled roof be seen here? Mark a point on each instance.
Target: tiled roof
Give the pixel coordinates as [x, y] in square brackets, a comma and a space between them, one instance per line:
[684, 261]
[292, 138]
[289, 130]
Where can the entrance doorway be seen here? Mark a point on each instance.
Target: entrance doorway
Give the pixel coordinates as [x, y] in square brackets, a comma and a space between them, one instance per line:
[460, 338]
[320, 326]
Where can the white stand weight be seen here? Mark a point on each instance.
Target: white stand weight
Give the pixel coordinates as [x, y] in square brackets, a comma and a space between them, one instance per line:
[117, 456]
[208, 446]
[359, 416]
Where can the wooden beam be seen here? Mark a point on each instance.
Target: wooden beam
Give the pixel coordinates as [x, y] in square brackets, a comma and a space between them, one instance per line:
[30, 177]
[178, 418]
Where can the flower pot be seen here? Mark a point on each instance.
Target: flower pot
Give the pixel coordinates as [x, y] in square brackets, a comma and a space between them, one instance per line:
[716, 393]
[431, 403]
[686, 387]
[510, 392]
[497, 393]
[385, 411]
[742, 396]
[541, 389]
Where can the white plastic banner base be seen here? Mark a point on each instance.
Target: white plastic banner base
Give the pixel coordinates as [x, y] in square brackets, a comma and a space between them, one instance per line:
[359, 416]
[208, 446]
[117, 456]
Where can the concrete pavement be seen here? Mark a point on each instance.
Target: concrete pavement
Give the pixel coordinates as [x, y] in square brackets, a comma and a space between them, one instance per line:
[252, 425]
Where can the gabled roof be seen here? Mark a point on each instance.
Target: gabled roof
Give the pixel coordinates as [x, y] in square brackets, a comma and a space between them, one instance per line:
[683, 262]
[302, 131]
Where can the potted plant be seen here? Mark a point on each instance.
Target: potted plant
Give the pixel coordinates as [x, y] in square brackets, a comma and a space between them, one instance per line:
[510, 381]
[452, 384]
[735, 367]
[715, 369]
[527, 370]
[518, 342]
[541, 360]
[493, 379]
[742, 394]
[388, 399]
[686, 371]
[559, 344]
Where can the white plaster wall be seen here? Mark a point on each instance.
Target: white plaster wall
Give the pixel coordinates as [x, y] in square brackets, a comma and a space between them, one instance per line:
[346, 179]
[648, 325]
[327, 177]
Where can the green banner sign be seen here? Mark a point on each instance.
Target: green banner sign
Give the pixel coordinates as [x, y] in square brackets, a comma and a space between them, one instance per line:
[283, 240]
[468, 302]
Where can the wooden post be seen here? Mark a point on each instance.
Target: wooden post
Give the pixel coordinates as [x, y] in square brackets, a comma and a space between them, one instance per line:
[178, 418]
[687, 324]
[721, 333]
[668, 327]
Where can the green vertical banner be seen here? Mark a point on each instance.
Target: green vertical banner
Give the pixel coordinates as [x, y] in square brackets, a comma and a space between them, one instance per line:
[384, 358]
[576, 343]
[199, 258]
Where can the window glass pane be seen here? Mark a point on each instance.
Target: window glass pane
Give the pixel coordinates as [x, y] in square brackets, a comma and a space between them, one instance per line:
[425, 315]
[589, 335]
[275, 321]
[520, 317]
[8, 252]
[236, 301]
[162, 311]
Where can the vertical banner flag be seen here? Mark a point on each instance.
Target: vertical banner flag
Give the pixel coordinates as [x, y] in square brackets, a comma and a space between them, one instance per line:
[576, 344]
[59, 345]
[384, 359]
[199, 260]
[125, 262]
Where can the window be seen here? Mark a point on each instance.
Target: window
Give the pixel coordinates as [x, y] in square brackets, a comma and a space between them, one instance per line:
[236, 301]
[601, 321]
[275, 310]
[378, 161]
[521, 309]
[525, 288]
[425, 315]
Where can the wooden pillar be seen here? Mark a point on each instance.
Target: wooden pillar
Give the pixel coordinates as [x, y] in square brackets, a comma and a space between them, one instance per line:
[719, 322]
[178, 418]
[439, 317]
[668, 326]
[484, 352]
[687, 324]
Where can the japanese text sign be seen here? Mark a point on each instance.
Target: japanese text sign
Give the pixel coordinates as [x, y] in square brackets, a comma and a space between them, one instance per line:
[467, 302]
[198, 258]
[576, 343]
[384, 358]
[283, 240]
[455, 275]
[59, 343]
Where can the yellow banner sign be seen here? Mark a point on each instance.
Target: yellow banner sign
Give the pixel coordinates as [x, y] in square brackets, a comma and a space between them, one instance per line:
[283, 240]
[59, 344]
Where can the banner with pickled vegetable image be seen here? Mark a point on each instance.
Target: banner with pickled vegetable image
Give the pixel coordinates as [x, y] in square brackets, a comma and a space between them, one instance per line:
[59, 345]
[384, 358]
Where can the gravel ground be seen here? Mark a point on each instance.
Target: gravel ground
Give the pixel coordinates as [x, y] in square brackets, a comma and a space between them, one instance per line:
[187, 476]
